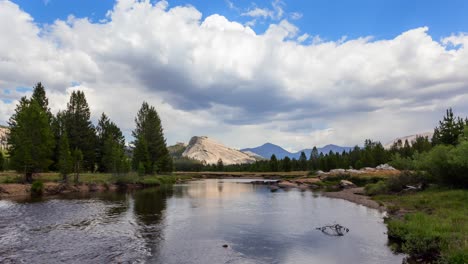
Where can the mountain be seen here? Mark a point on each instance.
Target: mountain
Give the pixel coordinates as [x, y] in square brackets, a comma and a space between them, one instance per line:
[410, 139]
[268, 149]
[209, 151]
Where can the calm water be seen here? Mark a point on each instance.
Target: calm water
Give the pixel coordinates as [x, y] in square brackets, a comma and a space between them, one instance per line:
[189, 223]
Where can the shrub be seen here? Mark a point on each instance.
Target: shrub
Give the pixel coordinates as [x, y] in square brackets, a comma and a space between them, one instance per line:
[398, 183]
[376, 188]
[419, 233]
[37, 188]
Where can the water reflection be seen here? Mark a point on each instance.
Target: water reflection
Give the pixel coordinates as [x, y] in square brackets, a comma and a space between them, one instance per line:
[189, 223]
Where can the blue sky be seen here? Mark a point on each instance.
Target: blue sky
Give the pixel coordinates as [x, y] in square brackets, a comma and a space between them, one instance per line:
[330, 19]
[295, 81]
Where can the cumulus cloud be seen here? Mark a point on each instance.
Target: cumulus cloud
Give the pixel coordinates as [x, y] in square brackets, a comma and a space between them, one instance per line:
[219, 78]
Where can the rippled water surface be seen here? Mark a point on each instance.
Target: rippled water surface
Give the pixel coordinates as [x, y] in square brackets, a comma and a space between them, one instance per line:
[189, 223]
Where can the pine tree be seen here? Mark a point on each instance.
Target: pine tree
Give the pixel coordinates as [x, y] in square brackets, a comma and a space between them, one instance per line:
[57, 128]
[80, 130]
[314, 159]
[302, 161]
[65, 162]
[149, 128]
[449, 129]
[286, 164]
[39, 95]
[2, 161]
[274, 163]
[30, 139]
[77, 160]
[111, 146]
[220, 165]
[141, 155]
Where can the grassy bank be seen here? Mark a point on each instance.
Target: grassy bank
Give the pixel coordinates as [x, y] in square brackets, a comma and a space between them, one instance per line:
[98, 178]
[431, 224]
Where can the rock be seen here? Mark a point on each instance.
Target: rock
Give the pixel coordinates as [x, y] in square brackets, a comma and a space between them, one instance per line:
[385, 167]
[346, 184]
[273, 188]
[319, 172]
[367, 169]
[225, 246]
[287, 184]
[353, 171]
[208, 151]
[337, 171]
[314, 186]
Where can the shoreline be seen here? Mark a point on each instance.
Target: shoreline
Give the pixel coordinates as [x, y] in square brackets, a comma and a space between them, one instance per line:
[357, 196]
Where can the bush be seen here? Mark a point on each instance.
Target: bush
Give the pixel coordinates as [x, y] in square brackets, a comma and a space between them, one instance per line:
[376, 188]
[37, 188]
[401, 163]
[399, 183]
[419, 233]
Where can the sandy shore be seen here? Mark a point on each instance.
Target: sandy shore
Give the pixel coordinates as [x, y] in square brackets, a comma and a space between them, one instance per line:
[355, 195]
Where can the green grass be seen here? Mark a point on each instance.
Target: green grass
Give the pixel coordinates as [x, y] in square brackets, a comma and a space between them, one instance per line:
[98, 178]
[435, 226]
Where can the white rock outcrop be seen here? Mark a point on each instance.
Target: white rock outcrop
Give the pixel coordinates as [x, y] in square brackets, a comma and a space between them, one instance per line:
[410, 139]
[209, 151]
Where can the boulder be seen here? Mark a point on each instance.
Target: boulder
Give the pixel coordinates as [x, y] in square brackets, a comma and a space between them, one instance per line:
[346, 184]
[287, 184]
[338, 171]
[385, 167]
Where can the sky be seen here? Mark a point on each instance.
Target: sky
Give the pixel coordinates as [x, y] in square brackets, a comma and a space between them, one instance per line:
[294, 73]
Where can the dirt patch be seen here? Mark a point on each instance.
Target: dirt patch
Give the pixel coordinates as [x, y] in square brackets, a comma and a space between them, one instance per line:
[355, 195]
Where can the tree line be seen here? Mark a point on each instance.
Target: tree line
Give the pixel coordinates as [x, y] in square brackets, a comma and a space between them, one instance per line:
[447, 140]
[68, 142]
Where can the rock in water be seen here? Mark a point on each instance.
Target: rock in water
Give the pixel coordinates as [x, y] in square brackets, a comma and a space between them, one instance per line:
[208, 151]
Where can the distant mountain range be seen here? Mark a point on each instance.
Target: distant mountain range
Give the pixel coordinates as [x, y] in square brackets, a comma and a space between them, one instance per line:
[268, 149]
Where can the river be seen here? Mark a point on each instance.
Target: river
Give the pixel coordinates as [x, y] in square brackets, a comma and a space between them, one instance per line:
[190, 223]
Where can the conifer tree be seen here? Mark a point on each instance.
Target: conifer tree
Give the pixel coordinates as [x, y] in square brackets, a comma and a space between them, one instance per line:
[65, 162]
[77, 160]
[141, 155]
[149, 128]
[274, 163]
[30, 139]
[302, 161]
[111, 146]
[2, 161]
[220, 165]
[449, 129]
[80, 130]
[286, 164]
[313, 160]
[39, 95]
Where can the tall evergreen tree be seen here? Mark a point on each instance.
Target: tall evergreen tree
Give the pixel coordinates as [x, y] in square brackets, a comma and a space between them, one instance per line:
[80, 130]
[274, 166]
[65, 161]
[2, 161]
[313, 160]
[111, 146]
[286, 164]
[57, 128]
[39, 95]
[449, 129]
[220, 165]
[149, 128]
[30, 139]
[302, 161]
[141, 156]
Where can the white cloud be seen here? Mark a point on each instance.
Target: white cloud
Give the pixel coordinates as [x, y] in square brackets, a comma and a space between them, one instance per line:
[259, 12]
[219, 78]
